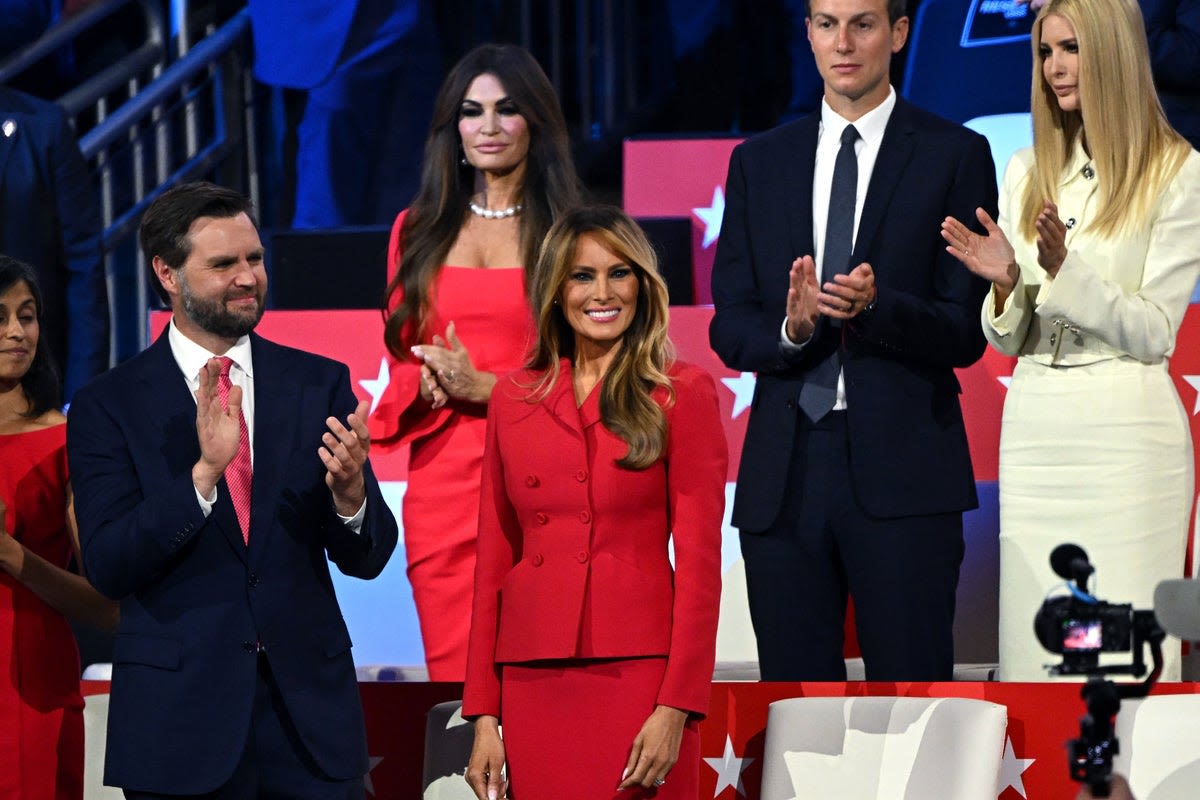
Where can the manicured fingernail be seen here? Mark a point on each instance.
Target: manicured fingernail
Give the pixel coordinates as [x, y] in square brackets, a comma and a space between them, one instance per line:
[417, 351]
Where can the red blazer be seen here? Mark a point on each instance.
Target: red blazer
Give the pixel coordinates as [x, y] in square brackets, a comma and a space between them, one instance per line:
[573, 560]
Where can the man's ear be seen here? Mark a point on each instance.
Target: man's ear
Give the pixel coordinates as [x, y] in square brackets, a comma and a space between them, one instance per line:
[166, 275]
[899, 34]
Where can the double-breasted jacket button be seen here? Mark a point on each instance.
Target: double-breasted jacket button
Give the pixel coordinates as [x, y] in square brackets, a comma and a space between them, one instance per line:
[585, 516]
[250, 647]
[252, 580]
[541, 518]
[537, 559]
[582, 557]
[531, 481]
[581, 475]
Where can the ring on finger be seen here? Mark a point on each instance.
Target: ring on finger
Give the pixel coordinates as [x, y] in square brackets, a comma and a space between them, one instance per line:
[450, 376]
[659, 781]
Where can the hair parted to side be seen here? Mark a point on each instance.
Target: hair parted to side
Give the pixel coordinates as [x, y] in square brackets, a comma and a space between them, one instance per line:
[437, 212]
[627, 405]
[895, 9]
[1135, 149]
[40, 383]
[165, 225]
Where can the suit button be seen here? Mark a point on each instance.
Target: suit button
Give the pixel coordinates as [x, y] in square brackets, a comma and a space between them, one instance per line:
[791, 405]
[250, 647]
[253, 580]
[531, 481]
[541, 518]
[585, 517]
[581, 476]
[537, 559]
[582, 557]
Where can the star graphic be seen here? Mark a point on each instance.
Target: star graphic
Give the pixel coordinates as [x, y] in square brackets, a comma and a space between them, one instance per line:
[1011, 769]
[378, 385]
[711, 217]
[1194, 382]
[729, 769]
[368, 784]
[743, 392]
[1005, 380]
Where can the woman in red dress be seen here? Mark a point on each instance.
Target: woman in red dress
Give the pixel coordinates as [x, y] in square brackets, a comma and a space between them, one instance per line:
[497, 172]
[599, 454]
[41, 709]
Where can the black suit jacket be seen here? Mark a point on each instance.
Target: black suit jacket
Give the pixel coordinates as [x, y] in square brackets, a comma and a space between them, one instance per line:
[50, 219]
[196, 601]
[908, 445]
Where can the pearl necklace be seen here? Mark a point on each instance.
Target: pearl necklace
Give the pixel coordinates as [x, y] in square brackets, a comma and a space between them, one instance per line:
[500, 213]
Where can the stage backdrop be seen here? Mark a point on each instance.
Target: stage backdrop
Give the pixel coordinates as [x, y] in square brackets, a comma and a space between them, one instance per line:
[381, 615]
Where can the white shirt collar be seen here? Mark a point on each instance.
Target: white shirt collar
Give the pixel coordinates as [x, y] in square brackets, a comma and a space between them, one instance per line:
[191, 357]
[870, 125]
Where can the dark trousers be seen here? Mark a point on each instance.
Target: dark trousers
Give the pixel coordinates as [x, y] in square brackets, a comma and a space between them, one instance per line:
[902, 574]
[275, 764]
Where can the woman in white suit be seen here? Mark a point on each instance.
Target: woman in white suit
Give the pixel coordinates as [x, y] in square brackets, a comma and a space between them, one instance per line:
[1092, 265]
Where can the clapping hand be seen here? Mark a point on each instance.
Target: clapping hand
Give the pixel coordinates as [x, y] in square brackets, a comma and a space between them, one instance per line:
[447, 361]
[344, 452]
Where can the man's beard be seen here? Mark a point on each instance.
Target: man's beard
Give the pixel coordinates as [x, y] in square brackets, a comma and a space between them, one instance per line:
[212, 316]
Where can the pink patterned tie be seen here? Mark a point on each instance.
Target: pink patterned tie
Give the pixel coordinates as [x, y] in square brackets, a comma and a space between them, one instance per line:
[239, 473]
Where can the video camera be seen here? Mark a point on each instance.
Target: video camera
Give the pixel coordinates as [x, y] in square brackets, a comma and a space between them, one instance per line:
[1080, 627]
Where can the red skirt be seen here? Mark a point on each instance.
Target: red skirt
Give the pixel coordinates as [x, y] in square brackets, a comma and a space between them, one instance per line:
[569, 727]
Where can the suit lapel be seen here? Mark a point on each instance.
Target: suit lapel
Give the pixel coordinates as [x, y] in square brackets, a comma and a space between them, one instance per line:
[798, 166]
[277, 398]
[560, 403]
[894, 152]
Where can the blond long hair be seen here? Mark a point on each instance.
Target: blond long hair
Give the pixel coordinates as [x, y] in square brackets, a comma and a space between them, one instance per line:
[1136, 150]
[627, 405]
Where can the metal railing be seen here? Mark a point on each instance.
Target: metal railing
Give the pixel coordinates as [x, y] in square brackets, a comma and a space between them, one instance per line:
[144, 124]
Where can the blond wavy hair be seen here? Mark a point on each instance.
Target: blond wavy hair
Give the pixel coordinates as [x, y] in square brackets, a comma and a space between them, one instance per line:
[1135, 149]
[627, 405]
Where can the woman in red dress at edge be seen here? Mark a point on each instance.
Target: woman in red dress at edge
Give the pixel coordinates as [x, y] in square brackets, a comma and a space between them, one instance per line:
[595, 655]
[41, 709]
[497, 172]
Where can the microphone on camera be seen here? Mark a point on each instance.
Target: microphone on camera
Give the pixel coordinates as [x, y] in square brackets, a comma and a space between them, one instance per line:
[1177, 608]
[1071, 562]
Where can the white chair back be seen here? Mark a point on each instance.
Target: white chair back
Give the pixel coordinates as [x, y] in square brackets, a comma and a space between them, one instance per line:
[883, 748]
[1158, 741]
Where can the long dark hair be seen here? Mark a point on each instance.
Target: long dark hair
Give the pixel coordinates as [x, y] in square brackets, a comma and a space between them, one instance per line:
[436, 215]
[40, 383]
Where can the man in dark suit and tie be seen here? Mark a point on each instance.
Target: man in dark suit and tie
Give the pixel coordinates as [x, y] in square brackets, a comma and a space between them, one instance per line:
[216, 474]
[832, 283]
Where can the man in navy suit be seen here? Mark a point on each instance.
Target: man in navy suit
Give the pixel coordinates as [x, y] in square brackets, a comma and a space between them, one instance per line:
[50, 218]
[831, 282]
[214, 480]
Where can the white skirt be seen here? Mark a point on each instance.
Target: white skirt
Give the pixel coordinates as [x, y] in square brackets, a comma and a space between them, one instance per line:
[1099, 456]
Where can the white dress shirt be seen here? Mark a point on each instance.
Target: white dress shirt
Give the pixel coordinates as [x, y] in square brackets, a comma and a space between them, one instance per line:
[191, 358]
[871, 127]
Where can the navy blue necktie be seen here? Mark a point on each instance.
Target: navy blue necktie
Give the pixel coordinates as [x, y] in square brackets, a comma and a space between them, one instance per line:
[819, 392]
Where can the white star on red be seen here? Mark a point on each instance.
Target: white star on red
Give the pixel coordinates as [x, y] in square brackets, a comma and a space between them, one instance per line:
[378, 385]
[1011, 769]
[1194, 382]
[368, 784]
[743, 392]
[711, 217]
[729, 769]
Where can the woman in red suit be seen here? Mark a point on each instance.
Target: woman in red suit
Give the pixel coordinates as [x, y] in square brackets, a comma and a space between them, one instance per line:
[41, 709]
[497, 172]
[598, 454]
